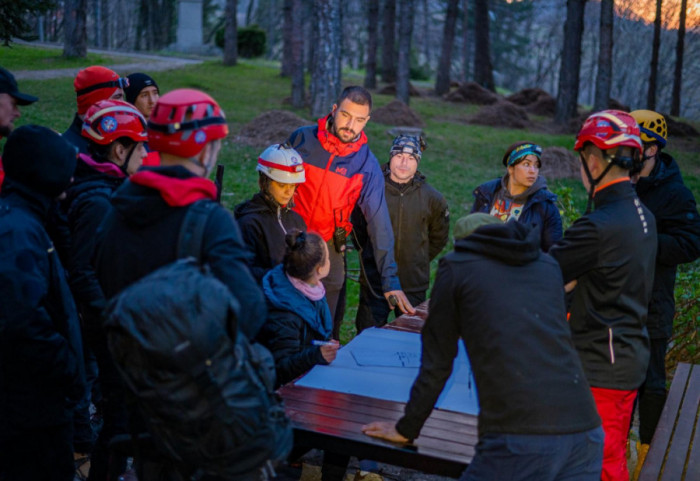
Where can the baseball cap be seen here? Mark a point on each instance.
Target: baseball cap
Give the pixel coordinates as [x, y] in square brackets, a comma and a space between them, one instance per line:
[8, 85]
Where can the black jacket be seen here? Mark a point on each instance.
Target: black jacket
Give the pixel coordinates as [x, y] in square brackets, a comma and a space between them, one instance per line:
[678, 229]
[140, 235]
[74, 136]
[264, 223]
[421, 223]
[611, 252]
[505, 298]
[41, 357]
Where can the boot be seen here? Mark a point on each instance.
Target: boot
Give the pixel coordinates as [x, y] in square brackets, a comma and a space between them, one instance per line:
[642, 450]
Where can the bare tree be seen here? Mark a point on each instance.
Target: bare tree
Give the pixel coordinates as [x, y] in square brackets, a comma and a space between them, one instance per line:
[570, 67]
[654, 66]
[325, 82]
[442, 81]
[403, 71]
[465, 40]
[483, 70]
[388, 40]
[372, 34]
[288, 35]
[678, 74]
[231, 33]
[297, 53]
[75, 15]
[605, 55]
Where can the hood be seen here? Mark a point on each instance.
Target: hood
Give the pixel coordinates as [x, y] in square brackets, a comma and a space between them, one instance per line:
[332, 144]
[256, 205]
[513, 243]
[665, 170]
[540, 184]
[282, 295]
[87, 178]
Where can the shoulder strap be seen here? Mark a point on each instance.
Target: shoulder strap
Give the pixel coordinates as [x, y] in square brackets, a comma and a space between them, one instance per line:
[189, 241]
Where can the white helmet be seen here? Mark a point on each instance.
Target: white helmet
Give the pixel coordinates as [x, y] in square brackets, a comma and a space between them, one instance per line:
[282, 163]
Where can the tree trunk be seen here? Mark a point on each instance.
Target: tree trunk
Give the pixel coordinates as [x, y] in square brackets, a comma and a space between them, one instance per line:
[465, 40]
[372, 31]
[604, 78]
[483, 70]
[75, 29]
[388, 41]
[325, 84]
[654, 66]
[442, 81]
[678, 74]
[287, 39]
[403, 71]
[297, 53]
[567, 97]
[231, 33]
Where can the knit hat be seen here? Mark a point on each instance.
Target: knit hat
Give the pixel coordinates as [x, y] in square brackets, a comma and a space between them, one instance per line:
[96, 83]
[519, 150]
[8, 85]
[40, 159]
[137, 82]
[407, 144]
[469, 223]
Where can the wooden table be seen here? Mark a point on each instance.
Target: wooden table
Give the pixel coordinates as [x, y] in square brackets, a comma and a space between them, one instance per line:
[332, 421]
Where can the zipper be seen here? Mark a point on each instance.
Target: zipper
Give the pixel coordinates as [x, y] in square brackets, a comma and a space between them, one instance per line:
[318, 192]
[279, 219]
[610, 345]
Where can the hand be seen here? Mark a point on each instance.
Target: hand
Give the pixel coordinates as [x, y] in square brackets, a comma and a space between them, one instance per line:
[401, 302]
[329, 351]
[384, 430]
[570, 286]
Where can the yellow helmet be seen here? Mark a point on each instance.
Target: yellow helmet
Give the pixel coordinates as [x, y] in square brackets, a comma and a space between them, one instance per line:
[652, 126]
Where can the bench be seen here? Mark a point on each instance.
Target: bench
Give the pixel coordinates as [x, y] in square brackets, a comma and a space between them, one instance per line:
[674, 453]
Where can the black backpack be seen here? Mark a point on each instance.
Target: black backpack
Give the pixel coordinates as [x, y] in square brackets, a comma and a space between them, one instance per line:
[205, 392]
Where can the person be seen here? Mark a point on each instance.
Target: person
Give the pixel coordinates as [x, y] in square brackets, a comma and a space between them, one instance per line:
[298, 313]
[267, 217]
[610, 252]
[342, 172]
[522, 193]
[140, 234]
[660, 187]
[116, 133]
[41, 363]
[143, 93]
[420, 222]
[10, 100]
[537, 418]
[91, 85]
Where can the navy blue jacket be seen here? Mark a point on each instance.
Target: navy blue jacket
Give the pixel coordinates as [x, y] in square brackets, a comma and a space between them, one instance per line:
[41, 355]
[74, 136]
[293, 321]
[540, 209]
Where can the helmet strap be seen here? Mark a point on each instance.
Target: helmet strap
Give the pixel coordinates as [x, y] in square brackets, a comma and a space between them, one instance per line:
[593, 182]
[125, 165]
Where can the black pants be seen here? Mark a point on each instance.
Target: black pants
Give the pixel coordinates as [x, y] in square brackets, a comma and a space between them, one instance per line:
[373, 311]
[37, 454]
[652, 394]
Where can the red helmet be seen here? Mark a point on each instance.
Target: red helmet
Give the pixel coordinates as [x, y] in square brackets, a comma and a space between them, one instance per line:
[108, 120]
[184, 121]
[609, 129]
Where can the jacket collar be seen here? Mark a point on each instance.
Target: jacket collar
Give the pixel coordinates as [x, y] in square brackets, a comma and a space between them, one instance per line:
[176, 192]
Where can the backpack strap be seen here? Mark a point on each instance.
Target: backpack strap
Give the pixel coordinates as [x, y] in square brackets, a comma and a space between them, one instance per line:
[190, 239]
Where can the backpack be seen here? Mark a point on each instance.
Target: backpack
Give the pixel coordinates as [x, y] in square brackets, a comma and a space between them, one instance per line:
[205, 392]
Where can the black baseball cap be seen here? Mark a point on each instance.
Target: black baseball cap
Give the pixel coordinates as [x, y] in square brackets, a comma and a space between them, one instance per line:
[8, 85]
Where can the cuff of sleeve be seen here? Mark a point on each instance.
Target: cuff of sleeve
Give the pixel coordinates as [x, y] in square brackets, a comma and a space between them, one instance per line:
[391, 284]
[406, 429]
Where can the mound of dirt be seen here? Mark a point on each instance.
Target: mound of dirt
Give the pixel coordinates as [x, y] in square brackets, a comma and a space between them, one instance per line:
[559, 163]
[501, 114]
[546, 105]
[528, 96]
[472, 93]
[680, 129]
[617, 105]
[271, 127]
[397, 113]
[390, 89]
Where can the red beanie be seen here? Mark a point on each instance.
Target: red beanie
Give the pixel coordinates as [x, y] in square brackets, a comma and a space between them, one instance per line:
[91, 77]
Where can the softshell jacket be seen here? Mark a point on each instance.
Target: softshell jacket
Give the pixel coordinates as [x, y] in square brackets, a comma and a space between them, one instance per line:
[540, 209]
[505, 298]
[293, 321]
[678, 229]
[611, 253]
[41, 356]
[264, 223]
[420, 223]
[338, 177]
[74, 136]
[140, 235]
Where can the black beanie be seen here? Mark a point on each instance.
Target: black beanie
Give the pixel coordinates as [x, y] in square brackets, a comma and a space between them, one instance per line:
[40, 159]
[137, 82]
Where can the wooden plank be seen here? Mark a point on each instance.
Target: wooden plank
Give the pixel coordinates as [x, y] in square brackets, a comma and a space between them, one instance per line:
[692, 470]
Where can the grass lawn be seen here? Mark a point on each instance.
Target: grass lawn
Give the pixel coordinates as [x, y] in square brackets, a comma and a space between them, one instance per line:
[24, 57]
[459, 156]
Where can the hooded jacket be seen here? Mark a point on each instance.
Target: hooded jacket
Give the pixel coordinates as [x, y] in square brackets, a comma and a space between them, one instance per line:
[264, 223]
[140, 235]
[41, 357]
[611, 253]
[505, 298]
[540, 208]
[678, 229]
[293, 322]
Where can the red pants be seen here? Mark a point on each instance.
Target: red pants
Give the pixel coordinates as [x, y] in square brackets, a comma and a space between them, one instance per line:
[615, 410]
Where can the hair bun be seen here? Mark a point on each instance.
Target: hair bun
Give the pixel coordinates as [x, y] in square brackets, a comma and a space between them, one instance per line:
[295, 239]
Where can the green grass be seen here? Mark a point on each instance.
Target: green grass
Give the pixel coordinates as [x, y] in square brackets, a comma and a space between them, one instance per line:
[459, 156]
[24, 57]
